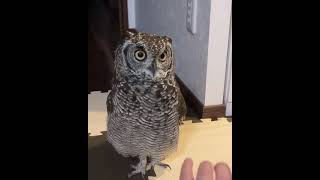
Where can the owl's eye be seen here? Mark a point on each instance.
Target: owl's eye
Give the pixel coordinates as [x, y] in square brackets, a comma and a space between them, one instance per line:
[140, 55]
[163, 56]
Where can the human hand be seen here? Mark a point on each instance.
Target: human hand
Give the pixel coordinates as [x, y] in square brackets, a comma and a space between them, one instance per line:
[206, 171]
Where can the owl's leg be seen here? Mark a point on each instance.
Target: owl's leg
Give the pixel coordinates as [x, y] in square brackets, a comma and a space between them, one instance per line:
[140, 167]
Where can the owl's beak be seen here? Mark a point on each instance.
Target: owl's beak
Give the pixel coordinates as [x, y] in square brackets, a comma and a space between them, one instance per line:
[153, 68]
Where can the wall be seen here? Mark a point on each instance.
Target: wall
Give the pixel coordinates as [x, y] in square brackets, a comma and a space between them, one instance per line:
[168, 17]
[220, 18]
[132, 13]
[201, 58]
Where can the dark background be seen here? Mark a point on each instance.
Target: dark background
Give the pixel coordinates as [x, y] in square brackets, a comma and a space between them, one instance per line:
[44, 84]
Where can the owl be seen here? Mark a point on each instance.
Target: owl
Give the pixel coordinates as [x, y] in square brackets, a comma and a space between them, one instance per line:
[145, 106]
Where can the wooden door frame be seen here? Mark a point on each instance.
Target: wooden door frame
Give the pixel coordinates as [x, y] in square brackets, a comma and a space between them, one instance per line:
[123, 16]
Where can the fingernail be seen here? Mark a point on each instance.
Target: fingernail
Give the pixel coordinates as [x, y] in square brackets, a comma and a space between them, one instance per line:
[222, 171]
[205, 171]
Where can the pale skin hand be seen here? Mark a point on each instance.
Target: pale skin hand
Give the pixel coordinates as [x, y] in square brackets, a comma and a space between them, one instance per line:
[206, 171]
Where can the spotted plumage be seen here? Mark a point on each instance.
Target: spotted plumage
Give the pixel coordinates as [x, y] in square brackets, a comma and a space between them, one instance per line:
[145, 106]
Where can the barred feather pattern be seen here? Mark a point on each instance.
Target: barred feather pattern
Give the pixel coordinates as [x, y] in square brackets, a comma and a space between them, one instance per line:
[144, 121]
[144, 111]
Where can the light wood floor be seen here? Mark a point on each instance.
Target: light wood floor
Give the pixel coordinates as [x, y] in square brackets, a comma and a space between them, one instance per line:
[200, 140]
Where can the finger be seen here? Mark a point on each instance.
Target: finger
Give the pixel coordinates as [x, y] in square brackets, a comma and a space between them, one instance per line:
[222, 171]
[205, 171]
[186, 170]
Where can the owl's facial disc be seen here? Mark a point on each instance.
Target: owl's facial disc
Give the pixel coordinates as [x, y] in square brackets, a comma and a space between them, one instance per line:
[163, 63]
[148, 56]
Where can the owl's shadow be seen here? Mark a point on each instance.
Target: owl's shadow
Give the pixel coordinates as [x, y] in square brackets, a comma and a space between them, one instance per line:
[104, 163]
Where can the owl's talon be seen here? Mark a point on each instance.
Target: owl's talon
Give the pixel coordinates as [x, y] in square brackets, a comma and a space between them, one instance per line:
[136, 172]
[149, 166]
[139, 168]
[164, 165]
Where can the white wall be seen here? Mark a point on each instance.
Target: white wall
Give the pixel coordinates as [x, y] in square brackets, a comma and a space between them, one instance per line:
[201, 58]
[220, 18]
[168, 17]
[132, 13]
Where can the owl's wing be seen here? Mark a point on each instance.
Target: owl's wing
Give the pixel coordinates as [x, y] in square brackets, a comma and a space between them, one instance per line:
[182, 107]
[110, 102]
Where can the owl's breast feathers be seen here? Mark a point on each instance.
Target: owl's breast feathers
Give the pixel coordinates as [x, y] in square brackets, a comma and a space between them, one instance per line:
[148, 98]
[144, 117]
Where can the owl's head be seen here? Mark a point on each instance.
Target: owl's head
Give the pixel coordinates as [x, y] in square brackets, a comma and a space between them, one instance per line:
[144, 56]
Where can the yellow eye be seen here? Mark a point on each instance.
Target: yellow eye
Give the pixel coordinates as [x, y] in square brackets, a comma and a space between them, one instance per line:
[163, 56]
[140, 55]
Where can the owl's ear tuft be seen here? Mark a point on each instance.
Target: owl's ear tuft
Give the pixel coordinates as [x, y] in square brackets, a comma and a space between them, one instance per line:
[168, 39]
[130, 33]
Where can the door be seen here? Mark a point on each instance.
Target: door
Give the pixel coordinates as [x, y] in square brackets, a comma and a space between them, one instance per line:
[228, 92]
[107, 19]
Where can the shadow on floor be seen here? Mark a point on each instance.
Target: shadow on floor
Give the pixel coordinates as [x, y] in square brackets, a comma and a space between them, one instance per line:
[192, 115]
[104, 163]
